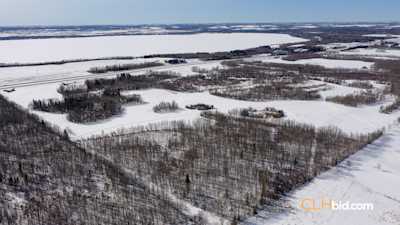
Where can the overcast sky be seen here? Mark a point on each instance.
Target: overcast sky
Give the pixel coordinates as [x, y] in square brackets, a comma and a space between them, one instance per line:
[77, 12]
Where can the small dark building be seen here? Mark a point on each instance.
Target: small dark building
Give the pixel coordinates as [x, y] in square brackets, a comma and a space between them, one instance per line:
[200, 106]
[176, 61]
[9, 90]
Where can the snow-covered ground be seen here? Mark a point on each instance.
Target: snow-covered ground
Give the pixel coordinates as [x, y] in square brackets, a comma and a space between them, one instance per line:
[374, 52]
[31, 73]
[15, 75]
[328, 63]
[390, 37]
[83, 31]
[331, 90]
[370, 176]
[320, 113]
[381, 35]
[43, 50]
[354, 25]
[305, 26]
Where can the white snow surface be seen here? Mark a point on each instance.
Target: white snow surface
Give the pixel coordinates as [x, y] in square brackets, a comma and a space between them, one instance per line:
[328, 63]
[319, 113]
[16, 75]
[393, 53]
[32, 73]
[369, 176]
[45, 50]
[381, 35]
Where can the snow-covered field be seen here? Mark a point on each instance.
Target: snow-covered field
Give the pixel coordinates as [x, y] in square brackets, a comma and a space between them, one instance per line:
[369, 176]
[328, 63]
[31, 73]
[374, 52]
[43, 50]
[351, 181]
[320, 113]
[15, 75]
[82, 32]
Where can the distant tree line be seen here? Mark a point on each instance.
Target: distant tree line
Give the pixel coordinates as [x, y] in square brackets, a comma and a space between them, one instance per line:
[126, 81]
[122, 67]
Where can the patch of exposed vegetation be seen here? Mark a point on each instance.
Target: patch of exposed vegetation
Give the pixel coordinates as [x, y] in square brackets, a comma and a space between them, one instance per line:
[388, 109]
[166, 107]
[268, 112]
[266, 92]
[358, 99]
[361, 84]
[126, 81]
[122, 67]
[88, 107]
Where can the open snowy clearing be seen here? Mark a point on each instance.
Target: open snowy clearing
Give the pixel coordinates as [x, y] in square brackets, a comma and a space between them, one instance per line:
[369, 176]
[374, 52]
[328, 63]
[44, 50]
[62, 32]
[17, 75]
[319, 113]
[23, 74]
[381, 35]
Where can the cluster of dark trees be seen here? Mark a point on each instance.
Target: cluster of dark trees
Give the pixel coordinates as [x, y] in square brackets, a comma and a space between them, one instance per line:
[165, 107]
[391, 71]
[122, 67]
[196, 82]
[275, 91]
[72, 89]
[46, 179]
[250, 112]
[235, 54]
[229, 165]
[354, 100]
[126, 81]
[297, 70]
[88, 107]
[361, 84]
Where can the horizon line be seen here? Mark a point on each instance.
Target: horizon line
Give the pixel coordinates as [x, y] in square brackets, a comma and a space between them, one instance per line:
[200, 23]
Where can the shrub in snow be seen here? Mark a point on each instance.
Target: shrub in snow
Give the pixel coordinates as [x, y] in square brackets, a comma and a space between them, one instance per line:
[166, 107]
[122, 67]
[354, 100]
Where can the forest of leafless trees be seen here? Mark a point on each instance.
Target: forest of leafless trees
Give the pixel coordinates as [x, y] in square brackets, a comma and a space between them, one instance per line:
[45, 179]
[229, 165]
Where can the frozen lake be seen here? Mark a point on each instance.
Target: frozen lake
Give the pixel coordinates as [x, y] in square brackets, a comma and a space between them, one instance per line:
[44, 50]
